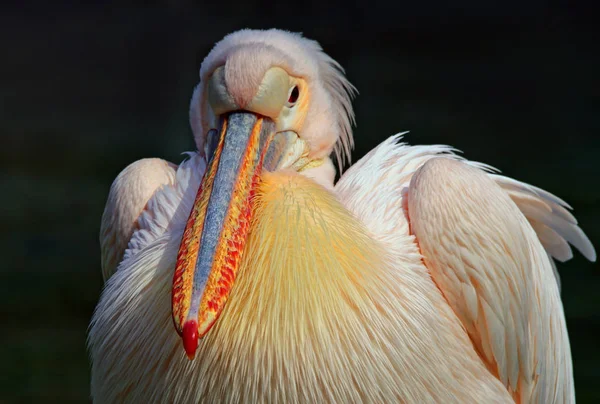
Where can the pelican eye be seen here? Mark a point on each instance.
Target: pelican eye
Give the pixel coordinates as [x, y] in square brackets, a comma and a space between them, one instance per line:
[293, 97]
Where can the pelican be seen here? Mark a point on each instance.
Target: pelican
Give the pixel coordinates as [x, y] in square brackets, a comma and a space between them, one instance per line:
[245, 274]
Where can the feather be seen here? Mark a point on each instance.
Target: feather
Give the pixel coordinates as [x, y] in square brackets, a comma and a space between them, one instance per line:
[127, 200]
[452, 204]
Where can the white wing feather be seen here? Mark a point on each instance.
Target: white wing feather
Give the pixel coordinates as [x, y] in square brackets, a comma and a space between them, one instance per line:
[504, 312]
[496, 275]
[141, 204]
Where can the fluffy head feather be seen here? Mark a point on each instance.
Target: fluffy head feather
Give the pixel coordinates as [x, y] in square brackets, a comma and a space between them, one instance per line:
[247, 54]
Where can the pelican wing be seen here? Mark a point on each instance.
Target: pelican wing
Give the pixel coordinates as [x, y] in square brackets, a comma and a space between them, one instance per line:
[141, 203]
[146, 199]
[477, 235]
[128, 198]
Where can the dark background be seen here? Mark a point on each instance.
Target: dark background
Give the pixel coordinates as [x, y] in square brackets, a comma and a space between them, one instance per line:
[85, 90]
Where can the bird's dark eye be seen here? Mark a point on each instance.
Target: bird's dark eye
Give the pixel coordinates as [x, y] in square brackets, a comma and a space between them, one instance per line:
[294, 94]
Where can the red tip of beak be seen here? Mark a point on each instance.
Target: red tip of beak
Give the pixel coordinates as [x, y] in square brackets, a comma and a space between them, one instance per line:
[190, 338]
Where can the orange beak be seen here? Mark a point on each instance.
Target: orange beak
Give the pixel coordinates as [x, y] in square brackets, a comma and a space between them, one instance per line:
[216, 231]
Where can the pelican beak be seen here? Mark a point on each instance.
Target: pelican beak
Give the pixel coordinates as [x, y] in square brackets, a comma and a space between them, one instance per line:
[216, 231]
[215, 235]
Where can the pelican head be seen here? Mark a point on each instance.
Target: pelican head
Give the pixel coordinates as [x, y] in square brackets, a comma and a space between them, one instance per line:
[267, 100]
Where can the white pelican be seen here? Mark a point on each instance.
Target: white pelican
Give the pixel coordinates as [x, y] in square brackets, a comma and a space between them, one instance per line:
[419, 277]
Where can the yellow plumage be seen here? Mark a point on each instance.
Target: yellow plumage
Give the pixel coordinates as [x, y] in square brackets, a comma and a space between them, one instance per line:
[303, 271]
[317, 315]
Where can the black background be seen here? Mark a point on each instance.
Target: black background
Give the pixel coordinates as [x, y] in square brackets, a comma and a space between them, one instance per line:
[85, 90]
